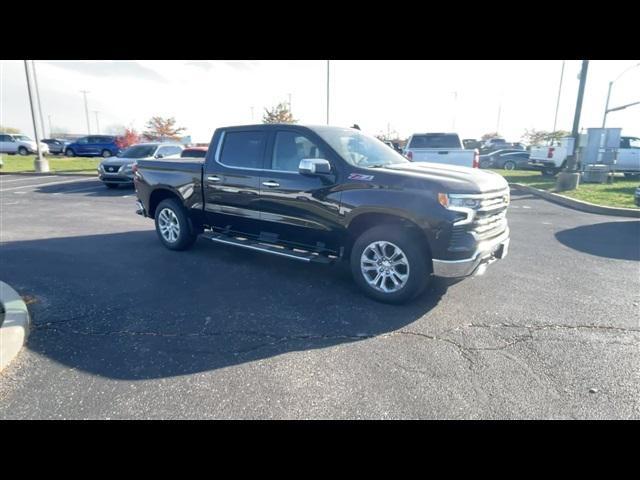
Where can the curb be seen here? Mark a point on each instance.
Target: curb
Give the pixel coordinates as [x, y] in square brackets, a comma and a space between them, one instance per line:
[579, 204]
[67, 173]
[15, 327]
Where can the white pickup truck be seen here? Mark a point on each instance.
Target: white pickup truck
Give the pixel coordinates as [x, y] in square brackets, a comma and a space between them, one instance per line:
[551, 159]
[440, 148]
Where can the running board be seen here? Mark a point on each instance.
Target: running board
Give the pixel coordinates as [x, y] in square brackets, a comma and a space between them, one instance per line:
[302, 255]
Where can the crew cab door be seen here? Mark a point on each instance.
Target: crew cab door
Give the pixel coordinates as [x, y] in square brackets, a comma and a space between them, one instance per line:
[298, 209]
[231, 181]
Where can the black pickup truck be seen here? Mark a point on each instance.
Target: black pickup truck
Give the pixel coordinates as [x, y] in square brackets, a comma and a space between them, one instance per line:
[322, 194]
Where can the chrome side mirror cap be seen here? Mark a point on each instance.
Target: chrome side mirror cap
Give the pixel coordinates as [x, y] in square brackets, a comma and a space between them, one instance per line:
[314, 166]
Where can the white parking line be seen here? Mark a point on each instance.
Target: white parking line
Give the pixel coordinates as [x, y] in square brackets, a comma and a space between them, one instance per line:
[43, 184]
[24, 178]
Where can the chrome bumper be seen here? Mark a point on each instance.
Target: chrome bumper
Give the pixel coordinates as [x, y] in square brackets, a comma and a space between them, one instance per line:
[486, 253]
[140, 208]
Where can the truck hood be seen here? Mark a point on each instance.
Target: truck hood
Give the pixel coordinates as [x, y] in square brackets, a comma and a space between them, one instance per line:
[452, 178]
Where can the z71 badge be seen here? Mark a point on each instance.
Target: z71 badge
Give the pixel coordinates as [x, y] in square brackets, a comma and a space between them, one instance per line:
[359, 176]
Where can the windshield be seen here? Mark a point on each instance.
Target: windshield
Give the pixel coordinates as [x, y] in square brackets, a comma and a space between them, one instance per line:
[24, 138]
[139, 151]
[359, 149]
[435, 140]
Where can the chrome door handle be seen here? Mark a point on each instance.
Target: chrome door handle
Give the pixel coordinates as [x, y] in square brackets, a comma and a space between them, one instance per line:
[270, 184]
[214, 178]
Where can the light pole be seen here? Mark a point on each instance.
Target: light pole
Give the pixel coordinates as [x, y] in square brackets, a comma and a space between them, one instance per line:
[35, 82]
[569, 179]
[97, 121]
[328, 92]
[50, 129]
[86, 110]
[606, 107]
[555, 119]
[40, 163]
[289, 103]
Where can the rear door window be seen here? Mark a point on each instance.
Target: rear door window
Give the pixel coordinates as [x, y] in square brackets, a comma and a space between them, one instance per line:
[243, 149]
[435, 141]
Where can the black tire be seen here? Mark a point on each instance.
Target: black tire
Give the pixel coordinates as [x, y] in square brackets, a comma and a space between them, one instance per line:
[485, 164]
[509, 165]
[106, 153]
[69, 152]
[23, 151]
[111, 185]
[631, 175]
[186, 235]
[550, 172]
[412, 247]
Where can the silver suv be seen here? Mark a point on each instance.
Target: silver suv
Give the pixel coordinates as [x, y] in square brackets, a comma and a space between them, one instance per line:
[19, 143]
[114, 171]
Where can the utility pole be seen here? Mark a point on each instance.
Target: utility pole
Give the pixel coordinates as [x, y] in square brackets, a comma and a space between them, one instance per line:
[555, 119]
[328, 92]
[498, 122]
[97, 121]
[606, 107]
[40, 163]
[35, 82]
[455, 108]
[86, 110]
[289, 103]
[569, 178]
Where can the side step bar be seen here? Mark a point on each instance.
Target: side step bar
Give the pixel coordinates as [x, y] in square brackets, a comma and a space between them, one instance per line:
[303, 256]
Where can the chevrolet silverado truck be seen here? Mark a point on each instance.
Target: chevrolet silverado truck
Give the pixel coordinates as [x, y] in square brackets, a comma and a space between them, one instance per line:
[328, 194]
[440, 148]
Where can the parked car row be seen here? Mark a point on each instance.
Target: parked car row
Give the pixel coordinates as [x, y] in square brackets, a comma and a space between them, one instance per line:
[17, 143]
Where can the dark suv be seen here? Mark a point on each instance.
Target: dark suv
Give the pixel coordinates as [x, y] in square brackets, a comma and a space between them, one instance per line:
[323, 194]
[93, 146]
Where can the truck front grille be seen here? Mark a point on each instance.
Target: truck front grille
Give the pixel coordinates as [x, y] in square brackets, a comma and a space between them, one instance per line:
[488, 220]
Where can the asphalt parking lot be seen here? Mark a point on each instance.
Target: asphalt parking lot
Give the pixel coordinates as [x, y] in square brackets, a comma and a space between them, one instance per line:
[123, 328]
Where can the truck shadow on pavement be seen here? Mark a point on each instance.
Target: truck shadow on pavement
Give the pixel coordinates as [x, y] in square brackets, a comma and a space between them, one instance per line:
[122, 306]
[619, 240]
[88, 188]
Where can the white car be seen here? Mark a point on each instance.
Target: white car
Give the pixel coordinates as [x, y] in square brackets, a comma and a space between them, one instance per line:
[440, 148]
[20, 144]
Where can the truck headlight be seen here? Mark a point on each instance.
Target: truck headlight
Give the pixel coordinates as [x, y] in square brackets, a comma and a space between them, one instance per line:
[449, 201]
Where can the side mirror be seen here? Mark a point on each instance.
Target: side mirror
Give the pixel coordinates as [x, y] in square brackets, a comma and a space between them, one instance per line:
[314, 166]
[159, 155]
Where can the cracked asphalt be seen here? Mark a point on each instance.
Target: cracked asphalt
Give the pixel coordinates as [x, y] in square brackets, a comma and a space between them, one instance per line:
[123, 328]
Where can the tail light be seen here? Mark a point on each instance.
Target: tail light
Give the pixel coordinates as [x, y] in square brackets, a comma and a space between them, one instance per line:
[476, 159]
[550, 152]
[410, 155]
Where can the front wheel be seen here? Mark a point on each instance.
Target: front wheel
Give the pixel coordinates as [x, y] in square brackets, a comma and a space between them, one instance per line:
[172, 225]
[509, 166]
[23, 151]
[390, 265]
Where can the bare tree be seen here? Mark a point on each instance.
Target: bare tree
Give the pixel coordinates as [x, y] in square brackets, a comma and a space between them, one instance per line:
[278, 114]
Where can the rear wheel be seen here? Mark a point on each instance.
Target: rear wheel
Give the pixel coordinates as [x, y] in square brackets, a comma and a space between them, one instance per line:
[509, 165]
[485, 163]
[389, 265]
[172, 225]
[69, 152]
[550, 172]
[106, 153]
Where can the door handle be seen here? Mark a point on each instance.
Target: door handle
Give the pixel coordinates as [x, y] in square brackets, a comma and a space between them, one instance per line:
[271, 184]
[214, 178]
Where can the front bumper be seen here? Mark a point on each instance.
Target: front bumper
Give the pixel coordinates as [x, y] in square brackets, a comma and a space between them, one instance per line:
[140, 210]
[119, 177]
[486, 253]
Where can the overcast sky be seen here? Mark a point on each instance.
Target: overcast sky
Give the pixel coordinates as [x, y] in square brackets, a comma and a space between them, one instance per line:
[409, 96]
